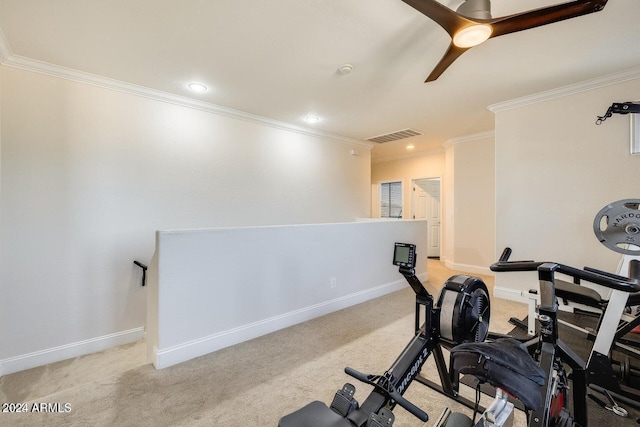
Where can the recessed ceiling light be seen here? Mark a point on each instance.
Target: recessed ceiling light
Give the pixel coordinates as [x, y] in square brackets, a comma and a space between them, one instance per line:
[345, 69]
[310, 118]
[197, 87]
[410, 147]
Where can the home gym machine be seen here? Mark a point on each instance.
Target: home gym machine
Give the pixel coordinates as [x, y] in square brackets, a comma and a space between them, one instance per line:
[597, 373]
[461, 314]
[617, 226]
[459, 322]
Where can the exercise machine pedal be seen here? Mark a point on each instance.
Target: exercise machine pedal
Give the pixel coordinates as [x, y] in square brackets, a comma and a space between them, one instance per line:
[343, 401]
[384, 418]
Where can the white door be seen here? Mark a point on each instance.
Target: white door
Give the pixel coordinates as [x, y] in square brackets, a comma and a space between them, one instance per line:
[426, 205]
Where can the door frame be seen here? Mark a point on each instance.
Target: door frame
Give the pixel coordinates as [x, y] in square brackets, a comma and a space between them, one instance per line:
[413, 201]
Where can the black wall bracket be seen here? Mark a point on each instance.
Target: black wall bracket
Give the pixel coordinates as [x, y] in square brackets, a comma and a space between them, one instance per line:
[619, 108]
[144, 271]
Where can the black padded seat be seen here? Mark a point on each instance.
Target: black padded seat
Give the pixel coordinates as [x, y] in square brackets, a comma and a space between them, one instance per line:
[579, 294]
[503, 363]
[587, 296]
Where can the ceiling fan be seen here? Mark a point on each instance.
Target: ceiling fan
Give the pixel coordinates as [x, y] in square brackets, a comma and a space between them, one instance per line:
[472, 24]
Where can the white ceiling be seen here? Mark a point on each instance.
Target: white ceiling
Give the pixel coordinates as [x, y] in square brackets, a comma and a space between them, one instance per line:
[279, 58]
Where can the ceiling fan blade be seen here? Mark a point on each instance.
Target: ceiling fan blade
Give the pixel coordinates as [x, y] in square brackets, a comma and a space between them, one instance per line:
[450, 55]
[544, 16]
[440, 14]
[452, 22]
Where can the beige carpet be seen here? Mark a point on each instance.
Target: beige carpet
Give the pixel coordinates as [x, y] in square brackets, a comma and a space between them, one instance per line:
[250, 384]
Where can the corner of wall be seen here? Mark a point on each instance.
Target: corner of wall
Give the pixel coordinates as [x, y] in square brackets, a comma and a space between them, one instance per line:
[5, 50]
[152, 306]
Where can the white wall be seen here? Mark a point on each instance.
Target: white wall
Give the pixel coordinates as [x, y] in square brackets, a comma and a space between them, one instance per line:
[472, 224]
[555, 169]
[88, 175]
[467, 168]
[448, 205]
[213, 288]
[430, 165]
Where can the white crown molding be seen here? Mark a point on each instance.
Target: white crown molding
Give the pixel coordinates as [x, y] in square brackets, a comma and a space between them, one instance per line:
[7, 58]
[586, 85]
[469, 138]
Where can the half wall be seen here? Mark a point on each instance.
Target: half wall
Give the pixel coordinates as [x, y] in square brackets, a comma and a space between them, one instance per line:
[209, 289]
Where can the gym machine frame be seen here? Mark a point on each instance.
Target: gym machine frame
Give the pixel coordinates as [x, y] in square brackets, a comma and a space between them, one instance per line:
[597, 373]
[389, 387]
[617, 227]
[547, 348]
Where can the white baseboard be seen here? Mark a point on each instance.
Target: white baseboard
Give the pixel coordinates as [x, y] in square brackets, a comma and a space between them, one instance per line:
[467, 268]
[68, 351]
[163, 358]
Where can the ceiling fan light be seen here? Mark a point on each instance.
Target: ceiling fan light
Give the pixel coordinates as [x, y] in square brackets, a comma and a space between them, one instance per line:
[472, 36]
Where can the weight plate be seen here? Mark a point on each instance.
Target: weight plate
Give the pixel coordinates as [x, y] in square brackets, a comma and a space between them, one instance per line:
[617, 226]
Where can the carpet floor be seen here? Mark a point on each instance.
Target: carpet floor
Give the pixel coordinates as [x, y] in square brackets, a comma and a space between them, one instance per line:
[250, 384]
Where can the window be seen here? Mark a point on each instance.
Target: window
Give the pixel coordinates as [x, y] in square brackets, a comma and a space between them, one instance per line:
[391, 199]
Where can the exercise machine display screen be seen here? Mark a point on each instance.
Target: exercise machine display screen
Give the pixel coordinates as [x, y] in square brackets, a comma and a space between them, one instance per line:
[404, 255]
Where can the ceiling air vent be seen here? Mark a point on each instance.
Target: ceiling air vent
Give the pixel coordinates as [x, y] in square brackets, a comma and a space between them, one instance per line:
[394, 136]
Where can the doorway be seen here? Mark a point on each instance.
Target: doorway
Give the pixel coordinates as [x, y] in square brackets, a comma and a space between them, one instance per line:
[425, 204]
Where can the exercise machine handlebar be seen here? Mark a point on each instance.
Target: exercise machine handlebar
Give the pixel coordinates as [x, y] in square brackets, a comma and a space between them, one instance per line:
[388, 389]
[588, 274]
[504, 264]
[504, 256]
[598, 277]
[605, 273]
